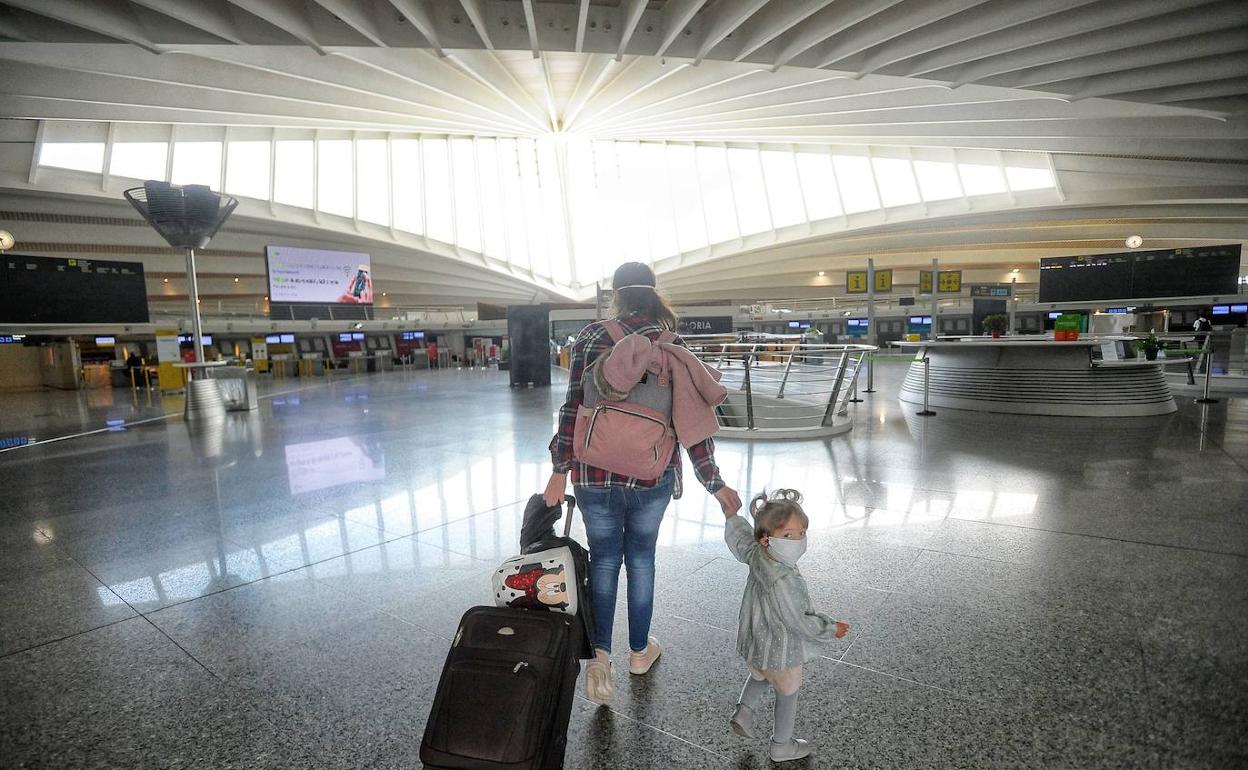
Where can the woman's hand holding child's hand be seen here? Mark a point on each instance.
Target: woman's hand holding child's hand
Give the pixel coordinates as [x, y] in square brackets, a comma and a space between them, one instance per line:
[841, 629]
[729, 501]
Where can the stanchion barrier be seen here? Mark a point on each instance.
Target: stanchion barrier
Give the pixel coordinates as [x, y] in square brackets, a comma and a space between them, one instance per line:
[1208, 374]
[870, 373]
[927, 368]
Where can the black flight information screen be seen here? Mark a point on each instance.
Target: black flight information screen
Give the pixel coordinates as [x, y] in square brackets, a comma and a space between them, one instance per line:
[50, 290]
[1192, 272]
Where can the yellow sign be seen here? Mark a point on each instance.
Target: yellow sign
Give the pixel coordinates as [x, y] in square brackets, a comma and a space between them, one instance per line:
[925, 282]
[884, 280]
[856, 282]
[950, 281]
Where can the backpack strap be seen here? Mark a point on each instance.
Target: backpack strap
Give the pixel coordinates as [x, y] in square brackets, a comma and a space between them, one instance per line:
[667, 338]
[615, 330]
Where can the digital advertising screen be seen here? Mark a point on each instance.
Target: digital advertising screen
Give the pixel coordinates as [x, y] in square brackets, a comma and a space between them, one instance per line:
[56, 290]
[318, 276]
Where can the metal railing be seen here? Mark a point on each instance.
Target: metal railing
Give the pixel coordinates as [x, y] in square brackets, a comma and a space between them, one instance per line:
[781, 388]
[256, 310]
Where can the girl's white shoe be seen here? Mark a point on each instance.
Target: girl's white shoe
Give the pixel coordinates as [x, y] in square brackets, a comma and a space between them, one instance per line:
[794, 749]
[598, 685]
[742, 722]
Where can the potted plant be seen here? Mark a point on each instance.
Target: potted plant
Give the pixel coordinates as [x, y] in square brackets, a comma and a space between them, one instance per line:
[504, 360]
[996, 324]
[1150, 345]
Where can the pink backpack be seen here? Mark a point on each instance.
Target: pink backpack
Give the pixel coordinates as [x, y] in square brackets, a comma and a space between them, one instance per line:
[632, 437]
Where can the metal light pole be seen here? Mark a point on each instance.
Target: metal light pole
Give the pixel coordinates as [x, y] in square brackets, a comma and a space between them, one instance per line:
[193, 289]
[931, 333]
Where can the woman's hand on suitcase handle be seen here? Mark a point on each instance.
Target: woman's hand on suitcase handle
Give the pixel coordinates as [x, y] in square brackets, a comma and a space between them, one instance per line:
[555, 488]
[729, 501]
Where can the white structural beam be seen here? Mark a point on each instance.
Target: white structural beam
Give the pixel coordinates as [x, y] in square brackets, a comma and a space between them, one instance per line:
[357, 16]
[674, 18]
[883, 29]
[828, 23]
[729, 15]
[476, 14]
[1043, 32]
[111, 19]
[530, 21]
[582, 18]
[771, 22]
[287, 15]
[631, 11]
[963, 27]
[417, 12]
[1030, 65]
[1163, 76]
[213, 19]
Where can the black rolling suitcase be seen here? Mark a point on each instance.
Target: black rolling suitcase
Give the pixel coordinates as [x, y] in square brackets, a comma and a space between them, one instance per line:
[506, 692]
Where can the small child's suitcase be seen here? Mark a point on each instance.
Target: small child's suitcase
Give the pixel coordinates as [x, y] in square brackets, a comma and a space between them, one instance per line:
[506, 692]
[551, 573]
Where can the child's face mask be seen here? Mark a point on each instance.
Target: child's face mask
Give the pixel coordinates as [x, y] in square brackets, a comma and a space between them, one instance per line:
[786, 551]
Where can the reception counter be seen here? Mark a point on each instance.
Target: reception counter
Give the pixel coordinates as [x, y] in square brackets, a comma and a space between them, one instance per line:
[1023, 375]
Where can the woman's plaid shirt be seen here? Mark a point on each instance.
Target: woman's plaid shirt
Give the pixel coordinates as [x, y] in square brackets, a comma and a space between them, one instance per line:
[592, 342]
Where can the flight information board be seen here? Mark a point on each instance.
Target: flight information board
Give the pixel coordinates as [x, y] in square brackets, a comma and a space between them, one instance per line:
[1138, 274]
[51, 290]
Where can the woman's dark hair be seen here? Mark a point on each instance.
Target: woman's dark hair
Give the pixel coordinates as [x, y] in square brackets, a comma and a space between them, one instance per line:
[635, 292]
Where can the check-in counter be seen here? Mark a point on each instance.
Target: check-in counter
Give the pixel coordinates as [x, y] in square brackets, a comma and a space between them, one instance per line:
[1089, 377]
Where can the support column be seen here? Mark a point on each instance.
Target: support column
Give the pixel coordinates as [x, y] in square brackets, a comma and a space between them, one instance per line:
[871, 331]
[932, 333]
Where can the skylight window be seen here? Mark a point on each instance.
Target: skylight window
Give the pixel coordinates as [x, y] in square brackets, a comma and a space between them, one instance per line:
[197, 163]
[897, 186]
[853, 176]
[335, 187]
[247, 169]
[1028, 178]
[78, 156]
[372, 202]
[292, 177]
[937, 181]
[980, 179]
[140, 160]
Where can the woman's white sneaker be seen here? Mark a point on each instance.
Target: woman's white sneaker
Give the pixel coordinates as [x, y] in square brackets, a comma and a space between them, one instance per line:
[598, 685]
[640, 662]
[794, 749]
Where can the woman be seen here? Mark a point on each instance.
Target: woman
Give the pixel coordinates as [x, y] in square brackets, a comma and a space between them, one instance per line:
[622, 514]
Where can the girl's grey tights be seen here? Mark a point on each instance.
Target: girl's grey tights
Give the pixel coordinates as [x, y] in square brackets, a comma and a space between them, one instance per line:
[786, 707]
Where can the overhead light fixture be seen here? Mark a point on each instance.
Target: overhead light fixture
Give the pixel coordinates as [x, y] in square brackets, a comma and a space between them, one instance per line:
[383, 294]
[1014, 271]
[357, 325]
[846, 314]
[166, 280]
[821, 273]
[1134, 241]
[236, 279]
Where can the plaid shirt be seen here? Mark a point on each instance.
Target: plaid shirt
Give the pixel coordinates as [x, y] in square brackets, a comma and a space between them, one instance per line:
[591, 343]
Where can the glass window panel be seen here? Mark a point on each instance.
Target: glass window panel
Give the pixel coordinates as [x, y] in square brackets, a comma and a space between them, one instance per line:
[1020, 178]
[980, 179]
[437, 167]
[658, 208]
[372, 199]
[464, 176]
[493, 228]
[539, 257]
[139, 160]
[683, 176]
[853, 177]
[335, 188]
[197, 163]
[629, 206]
[937, 181]
[784, 191]
[292, 173]
[818, 185]
[721, 218]
[79, 156]
[517, 206]
[747, 188]
[583, 189]
[552, 209]
[247, 169]
[610, 195]
[897, 186]
[405, 179]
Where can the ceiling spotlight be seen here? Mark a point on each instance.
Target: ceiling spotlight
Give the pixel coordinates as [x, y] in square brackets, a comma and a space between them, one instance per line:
[846, 314]
[383, 294]
[1134, 241]
[166, 280]
[266, 297]
[1014, 271]
[357, 325]
[822, 273]
[236, 279]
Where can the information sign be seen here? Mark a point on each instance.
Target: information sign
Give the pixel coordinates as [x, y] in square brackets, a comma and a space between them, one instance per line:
[925, 282]
[991, 290]
[856, 282]
[884, 281]
[949, 282]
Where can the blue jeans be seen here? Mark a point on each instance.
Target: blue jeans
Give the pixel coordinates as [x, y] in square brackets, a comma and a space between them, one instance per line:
[623, 527]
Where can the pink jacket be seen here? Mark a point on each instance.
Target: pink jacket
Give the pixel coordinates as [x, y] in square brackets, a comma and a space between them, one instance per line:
[695, 386]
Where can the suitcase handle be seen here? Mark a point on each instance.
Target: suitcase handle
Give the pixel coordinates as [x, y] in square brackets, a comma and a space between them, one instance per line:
[567, 520]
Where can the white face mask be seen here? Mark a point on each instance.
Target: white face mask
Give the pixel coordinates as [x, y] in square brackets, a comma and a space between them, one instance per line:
[786, 551]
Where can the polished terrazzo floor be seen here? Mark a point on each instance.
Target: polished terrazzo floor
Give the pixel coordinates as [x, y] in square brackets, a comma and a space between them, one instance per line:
[1024, 592]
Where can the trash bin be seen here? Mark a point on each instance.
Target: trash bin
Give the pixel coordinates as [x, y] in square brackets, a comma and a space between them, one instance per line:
[238, 387]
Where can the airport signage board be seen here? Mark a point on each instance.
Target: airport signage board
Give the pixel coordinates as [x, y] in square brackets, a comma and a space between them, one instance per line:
[856, 282]
[716, 324]
[991, 289]
[55, 290]
[884, 281]
[949, 282]
[925, 282]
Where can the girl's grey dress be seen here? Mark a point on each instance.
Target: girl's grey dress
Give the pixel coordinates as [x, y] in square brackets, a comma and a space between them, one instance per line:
[777, 628]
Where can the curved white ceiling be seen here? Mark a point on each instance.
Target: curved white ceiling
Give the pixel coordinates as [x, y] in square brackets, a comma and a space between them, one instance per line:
[1139, 102]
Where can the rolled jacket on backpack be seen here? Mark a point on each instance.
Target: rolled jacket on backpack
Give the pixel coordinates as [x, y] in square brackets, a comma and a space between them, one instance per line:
[695, 386]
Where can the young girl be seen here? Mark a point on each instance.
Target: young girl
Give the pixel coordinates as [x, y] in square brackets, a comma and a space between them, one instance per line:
[777, 630]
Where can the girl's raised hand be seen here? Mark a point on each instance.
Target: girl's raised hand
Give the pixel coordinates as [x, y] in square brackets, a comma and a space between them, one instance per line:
[841, 629]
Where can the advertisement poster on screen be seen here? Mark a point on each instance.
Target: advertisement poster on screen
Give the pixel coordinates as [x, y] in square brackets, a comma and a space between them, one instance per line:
[319, 276]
